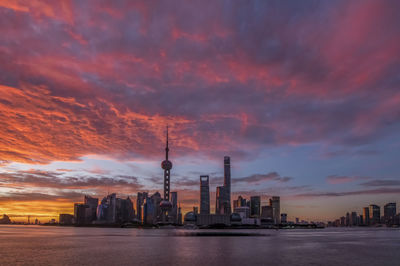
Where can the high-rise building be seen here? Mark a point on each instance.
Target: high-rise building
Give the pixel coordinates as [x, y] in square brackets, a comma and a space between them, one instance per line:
[124, 210]
[148, 211]
[227, 184]
[374, 214]
[366, 215]
[220, 200]
[174, 211]
[204, 194]
[179, 215]
[255, 206]
[342, 221]
[80, 213]
[139, 204]
[284, 218]
[92, 204]
[223, 195]
[347, 219]
[157, 215]
[353, 219]
[360, 219]
[389, 211]
[107, 209]
[274, 202]
[235, 204]
[240, 202]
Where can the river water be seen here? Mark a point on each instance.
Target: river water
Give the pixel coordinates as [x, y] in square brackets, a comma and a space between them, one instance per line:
[45, 245]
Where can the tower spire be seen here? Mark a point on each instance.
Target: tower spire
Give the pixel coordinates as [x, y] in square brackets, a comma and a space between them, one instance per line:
[166, 165]
[166, 148]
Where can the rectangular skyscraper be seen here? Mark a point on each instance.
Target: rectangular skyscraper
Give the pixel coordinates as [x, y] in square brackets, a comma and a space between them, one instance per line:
[374, 214]
[227, 184]
[220, 200]
[174, 211]
[255, 206]
[276, 206]
[366, 215]
[389, 213]
[223, 195]
[204, 194]
[92, 204]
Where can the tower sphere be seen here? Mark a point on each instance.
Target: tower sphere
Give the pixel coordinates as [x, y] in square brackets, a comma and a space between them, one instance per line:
[166, 205]
[166, 165]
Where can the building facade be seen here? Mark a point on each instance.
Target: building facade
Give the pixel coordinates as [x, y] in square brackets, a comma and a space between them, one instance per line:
[204, 194]
[366, 215]
[274, 202]
[223, 193]
[374, 214]
[389, 213]
[255, 206]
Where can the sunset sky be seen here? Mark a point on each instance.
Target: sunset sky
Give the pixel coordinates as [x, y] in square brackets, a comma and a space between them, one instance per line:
[304, 96]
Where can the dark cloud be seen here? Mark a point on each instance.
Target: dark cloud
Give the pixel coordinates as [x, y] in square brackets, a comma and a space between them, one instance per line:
[61, 181]
[336, 179]
[381, 183]
[259, 178]
[349, 193]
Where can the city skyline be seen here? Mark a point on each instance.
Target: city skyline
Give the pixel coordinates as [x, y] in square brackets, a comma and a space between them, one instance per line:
[303, 96]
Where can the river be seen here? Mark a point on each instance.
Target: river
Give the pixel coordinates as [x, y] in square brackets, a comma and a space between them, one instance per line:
[53, 245]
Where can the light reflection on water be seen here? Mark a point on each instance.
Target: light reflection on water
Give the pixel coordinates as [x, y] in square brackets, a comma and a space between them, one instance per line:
[40, 245]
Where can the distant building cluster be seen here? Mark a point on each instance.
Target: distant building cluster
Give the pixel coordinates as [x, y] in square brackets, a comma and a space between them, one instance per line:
[113, 210]
[245, 212]
[371, 216]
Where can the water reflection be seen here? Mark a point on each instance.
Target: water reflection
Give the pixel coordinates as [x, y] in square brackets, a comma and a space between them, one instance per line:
[39, 245]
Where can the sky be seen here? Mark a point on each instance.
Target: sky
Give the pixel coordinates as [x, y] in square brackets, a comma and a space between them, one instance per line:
[304, 96]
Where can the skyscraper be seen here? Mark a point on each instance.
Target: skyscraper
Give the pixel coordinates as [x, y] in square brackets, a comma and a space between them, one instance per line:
[220, 202]
[353, 219]
[389, 213]
[124, 210]
[347, 219]
[284, 218]
[374, 214]
[255, 206]
[174, 210]
[80, 213]
[92, 204]
[223, 195]
[157, 215]
[204, 194]
[276, 206]
[227, 183]
[148, 211]
[139, 204]
[366, 215]
[179, 215]
[240, 202]
[107, 210]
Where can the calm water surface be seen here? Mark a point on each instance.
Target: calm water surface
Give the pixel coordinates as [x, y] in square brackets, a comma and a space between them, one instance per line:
[40, 245]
